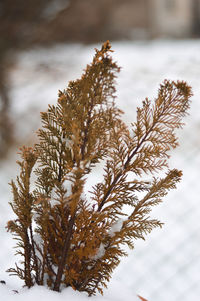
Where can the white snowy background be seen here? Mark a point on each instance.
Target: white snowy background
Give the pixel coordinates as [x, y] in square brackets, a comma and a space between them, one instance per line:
[166, 267]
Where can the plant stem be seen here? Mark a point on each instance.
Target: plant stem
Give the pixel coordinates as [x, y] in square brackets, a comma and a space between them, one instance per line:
[66, 247]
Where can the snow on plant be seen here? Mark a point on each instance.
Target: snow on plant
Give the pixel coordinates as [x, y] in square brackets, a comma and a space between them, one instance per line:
[65, 235]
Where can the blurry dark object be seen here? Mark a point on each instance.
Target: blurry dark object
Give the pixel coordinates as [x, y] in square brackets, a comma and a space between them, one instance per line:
[5, 124]
[90, 21]
[196, 12]
[20, 21]
[2, 282]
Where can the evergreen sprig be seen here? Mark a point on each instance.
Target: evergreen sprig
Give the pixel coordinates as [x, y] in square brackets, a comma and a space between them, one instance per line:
[71, 237]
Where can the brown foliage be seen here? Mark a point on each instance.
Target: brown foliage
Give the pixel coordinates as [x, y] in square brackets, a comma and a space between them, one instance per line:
[141, 298]
[78, 239]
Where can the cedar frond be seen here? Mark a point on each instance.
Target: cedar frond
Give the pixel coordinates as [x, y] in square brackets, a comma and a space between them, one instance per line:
[22, 206]
[68, 236]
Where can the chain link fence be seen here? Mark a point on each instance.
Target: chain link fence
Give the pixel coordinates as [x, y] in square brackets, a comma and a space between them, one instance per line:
[166, 267]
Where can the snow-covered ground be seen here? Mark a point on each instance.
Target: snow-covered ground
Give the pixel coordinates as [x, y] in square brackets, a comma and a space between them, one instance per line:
[166, 267]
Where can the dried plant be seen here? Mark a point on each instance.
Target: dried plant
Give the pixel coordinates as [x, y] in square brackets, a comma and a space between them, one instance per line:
[68, 236]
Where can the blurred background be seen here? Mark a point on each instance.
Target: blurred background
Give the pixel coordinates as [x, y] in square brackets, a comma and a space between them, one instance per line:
[46, 43]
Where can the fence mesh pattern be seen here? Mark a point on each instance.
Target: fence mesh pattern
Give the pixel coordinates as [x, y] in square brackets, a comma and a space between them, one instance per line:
[165, 267]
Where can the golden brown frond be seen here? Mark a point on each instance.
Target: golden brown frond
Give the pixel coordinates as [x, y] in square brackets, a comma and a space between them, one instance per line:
[142, 299]
[66, 235]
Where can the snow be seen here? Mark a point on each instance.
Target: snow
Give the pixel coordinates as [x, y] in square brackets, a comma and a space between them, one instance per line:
[101, 252]
[116, 292]
[167, 265]
[116, 227]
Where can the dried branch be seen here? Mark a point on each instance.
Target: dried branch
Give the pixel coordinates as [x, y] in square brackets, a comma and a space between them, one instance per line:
[78, 236]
